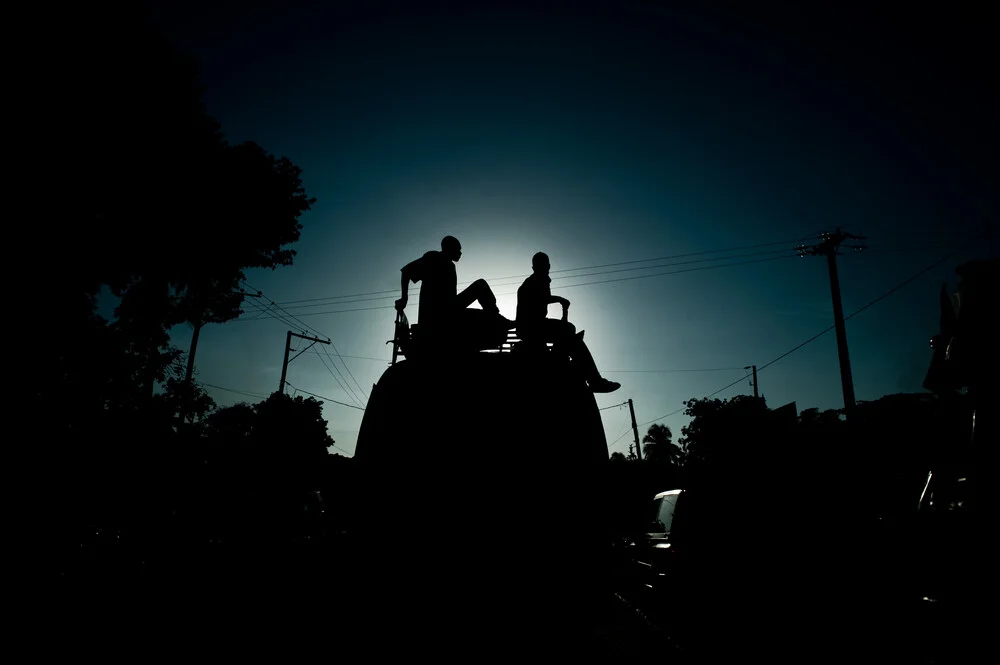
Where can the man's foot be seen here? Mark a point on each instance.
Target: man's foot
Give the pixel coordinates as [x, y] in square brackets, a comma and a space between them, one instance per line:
[580, 334]
[602, 385]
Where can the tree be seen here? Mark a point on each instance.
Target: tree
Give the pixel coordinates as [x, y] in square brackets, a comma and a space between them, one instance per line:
[284, 435]
[658, 446]
[291, 428]
[723, 431]
[254, 203]
[152, 201]
[618, 457]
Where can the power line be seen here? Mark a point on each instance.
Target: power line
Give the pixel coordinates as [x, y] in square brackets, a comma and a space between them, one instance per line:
[685, 255]
[353, 406]
[823, 332]
[567, 286]
[318, 333]
[666, 265]
[381, 360]
[666, 371]
[349, 373]
[333, 445]
[266, 312]
[233, 390]
[304, 327]
[888, 293]
[501, 282]
[338, 378]
[602, 265]
[605, 408]
[628, 430]
[677, 272]
[675, 412]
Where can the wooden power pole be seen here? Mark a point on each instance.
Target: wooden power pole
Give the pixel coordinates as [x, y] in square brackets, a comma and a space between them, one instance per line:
[828, 247]
[756, 393]
[635, 430]
[288, 347]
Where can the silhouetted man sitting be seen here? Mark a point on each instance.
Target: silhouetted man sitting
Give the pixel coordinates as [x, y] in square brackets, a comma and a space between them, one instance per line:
[533, 298]
[443, 313]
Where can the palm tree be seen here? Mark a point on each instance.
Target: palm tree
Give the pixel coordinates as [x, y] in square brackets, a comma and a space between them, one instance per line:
[658, 445]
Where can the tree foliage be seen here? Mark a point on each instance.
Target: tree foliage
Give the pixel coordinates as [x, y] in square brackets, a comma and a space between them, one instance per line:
[658, 445]
[280, 429]
[151, 202]
[722, 431]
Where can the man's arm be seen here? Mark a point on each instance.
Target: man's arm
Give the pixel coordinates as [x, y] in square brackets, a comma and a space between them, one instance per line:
[408, 273]
[562, 301]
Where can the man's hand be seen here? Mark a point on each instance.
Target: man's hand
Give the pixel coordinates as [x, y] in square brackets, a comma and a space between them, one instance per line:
[401, 304]
[565, 309]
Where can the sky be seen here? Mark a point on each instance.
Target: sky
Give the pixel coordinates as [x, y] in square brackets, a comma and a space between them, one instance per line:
[669, 162]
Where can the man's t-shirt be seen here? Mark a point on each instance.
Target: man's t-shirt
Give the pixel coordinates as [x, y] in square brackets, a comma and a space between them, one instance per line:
[439, 287]
[533, 301]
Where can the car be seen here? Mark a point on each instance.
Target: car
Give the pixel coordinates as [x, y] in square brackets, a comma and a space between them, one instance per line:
[654, 553]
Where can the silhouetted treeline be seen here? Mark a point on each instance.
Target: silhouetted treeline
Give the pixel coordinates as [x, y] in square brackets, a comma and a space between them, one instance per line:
[146, 202]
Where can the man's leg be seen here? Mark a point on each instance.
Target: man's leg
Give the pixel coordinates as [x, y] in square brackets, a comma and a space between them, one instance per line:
[479, 291]
[565, 340]
[584, 359]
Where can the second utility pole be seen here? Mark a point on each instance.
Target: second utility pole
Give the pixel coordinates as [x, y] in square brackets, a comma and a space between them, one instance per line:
[288, 347]
[828, 247]
[635, 430]
[755, 392]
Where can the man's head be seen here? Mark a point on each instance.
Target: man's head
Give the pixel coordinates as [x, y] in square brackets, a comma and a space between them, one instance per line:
[540, 262]
[451, 248]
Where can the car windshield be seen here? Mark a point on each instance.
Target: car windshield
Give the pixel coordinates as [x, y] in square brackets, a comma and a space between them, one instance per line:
[663, 514]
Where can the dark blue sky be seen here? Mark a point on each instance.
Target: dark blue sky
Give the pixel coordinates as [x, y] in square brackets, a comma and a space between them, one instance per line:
[603, 136]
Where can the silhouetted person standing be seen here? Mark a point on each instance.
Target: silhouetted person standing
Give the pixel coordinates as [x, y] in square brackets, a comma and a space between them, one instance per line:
[443, 311]
[533, 298]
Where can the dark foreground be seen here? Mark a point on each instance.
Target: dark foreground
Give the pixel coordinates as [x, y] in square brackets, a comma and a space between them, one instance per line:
[331, 599]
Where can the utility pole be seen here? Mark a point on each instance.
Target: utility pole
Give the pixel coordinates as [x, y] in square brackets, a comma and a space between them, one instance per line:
[828, 247]
[755, 394]
[635, 430]
[288, 347]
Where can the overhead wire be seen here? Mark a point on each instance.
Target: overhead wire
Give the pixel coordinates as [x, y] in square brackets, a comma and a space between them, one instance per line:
[501, 281]
[620, 437]
[667, 265]
[263, 312]
[303, 326]
[290, 324]
[795, 348]
[334, 445]
[315, 331]
[349, 373]
[677, 272]
[567, 286]
[328, 399]
[621, 433]
[232, 390]
[339, 378]
[381, 360]
[670, 371]
[602, 265]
